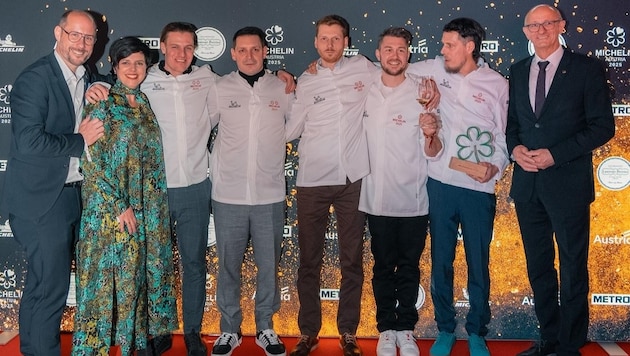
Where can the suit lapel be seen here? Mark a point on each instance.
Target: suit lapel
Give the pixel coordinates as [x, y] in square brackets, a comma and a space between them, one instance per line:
[559, 81]
[62, 86]
[523, 87]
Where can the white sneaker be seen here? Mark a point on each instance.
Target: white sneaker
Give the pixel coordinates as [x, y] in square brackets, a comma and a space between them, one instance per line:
[407, 343]
[226, 343]
[269, 341]
[386, 344]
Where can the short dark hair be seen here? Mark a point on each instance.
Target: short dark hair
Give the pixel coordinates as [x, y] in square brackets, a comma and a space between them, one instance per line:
[468, 29]
[126, 46]
[334, 20]
[250, 30]
[179, 27]
[399, 32]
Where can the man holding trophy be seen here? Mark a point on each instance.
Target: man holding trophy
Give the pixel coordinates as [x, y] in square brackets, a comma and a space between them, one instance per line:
[462, 176]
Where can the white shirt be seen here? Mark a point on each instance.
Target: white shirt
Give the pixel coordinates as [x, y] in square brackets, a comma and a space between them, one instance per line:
[473, 110]
[328, 114]
[180, 105]
[76, 86]
[550, 71]
[396, 185]
[249, 151]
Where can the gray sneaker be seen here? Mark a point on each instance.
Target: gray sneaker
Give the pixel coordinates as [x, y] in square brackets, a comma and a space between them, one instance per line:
[269, 341]
[226, 343]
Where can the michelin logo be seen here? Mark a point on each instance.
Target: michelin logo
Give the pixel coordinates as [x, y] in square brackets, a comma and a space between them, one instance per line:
[7, 45]
[5, 229]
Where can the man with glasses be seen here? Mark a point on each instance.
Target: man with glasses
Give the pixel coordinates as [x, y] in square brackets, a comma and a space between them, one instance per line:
[559, 112]
[42, 187]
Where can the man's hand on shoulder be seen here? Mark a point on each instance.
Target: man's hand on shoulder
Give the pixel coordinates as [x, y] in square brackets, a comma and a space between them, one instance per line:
[288, 78]
[96, 92]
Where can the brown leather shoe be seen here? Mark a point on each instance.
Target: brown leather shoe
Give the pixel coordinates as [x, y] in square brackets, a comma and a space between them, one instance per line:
[305, 345]
[540, 348]
[349, 345]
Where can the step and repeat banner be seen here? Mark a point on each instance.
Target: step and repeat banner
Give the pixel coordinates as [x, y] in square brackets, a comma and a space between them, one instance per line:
[600, 29]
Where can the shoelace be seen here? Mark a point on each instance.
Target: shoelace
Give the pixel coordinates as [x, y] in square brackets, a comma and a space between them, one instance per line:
[304, 339]
[225, 339]
[350, 339]
[268, 338]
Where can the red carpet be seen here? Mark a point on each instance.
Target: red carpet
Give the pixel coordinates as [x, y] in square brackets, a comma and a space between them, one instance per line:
[327, 347]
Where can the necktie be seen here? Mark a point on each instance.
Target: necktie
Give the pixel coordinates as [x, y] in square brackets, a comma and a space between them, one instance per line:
[540, 88]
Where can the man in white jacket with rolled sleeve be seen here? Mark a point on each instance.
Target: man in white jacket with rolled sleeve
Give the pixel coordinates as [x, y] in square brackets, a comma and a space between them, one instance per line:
[473, 111]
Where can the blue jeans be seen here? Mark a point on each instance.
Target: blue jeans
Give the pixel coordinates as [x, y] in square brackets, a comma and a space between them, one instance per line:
[449, 207]
[190, 215]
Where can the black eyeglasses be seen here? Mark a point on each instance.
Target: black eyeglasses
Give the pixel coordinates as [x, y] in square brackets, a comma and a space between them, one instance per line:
[547, 25]
[74, 36]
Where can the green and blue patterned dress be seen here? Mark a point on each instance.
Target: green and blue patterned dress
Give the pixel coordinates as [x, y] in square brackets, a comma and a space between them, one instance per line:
[125, 283]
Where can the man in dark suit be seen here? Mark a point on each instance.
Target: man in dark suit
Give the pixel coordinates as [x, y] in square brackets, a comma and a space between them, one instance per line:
[551, 139]
[42, 186]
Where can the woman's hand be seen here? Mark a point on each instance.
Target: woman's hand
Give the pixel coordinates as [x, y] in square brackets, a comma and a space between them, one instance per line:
[127, 220]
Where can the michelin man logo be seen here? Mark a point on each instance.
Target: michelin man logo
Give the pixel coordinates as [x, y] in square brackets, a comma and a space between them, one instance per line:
[274, 35]
[616, 36]
[5, 94]
[7, 279]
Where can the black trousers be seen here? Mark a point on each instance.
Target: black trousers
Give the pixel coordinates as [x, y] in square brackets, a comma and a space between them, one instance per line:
[48, 242]
[564, 321]
[397, 244]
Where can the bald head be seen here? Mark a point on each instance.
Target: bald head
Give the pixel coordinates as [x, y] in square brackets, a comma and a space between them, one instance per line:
[543, 7]
[543, 26]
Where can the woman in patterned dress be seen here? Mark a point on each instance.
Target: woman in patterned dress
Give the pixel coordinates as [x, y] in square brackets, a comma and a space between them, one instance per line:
[125, 277]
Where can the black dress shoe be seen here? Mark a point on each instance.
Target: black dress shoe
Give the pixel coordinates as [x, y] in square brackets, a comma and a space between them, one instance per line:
[195, 345]
[161, 343]
[540, 348]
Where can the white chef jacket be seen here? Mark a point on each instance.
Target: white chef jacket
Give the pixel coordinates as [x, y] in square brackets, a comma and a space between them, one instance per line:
[396, 185]
[249, 151]
[469, 105]
[328, 114]
[180, 105]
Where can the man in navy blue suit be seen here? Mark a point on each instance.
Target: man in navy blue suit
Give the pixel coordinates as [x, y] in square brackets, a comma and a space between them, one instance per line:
[559, 112]
[42, 186]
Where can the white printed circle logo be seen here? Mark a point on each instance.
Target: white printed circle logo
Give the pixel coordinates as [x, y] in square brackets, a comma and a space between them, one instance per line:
[212, 235]
[616, 36]
[274, 35]
[614, 173]
[7, 279]
[421, 297]
[211, 44]
[5, 94]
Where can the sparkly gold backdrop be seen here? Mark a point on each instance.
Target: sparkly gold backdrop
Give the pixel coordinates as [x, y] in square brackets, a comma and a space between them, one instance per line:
[598, 29]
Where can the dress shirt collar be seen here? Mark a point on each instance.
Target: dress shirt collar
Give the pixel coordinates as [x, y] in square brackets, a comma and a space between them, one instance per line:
[67, 72]
[553, 59]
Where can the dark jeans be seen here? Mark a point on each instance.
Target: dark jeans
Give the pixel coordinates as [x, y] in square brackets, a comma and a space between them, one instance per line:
[190, 215]
[397, 243]
[450, 207]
